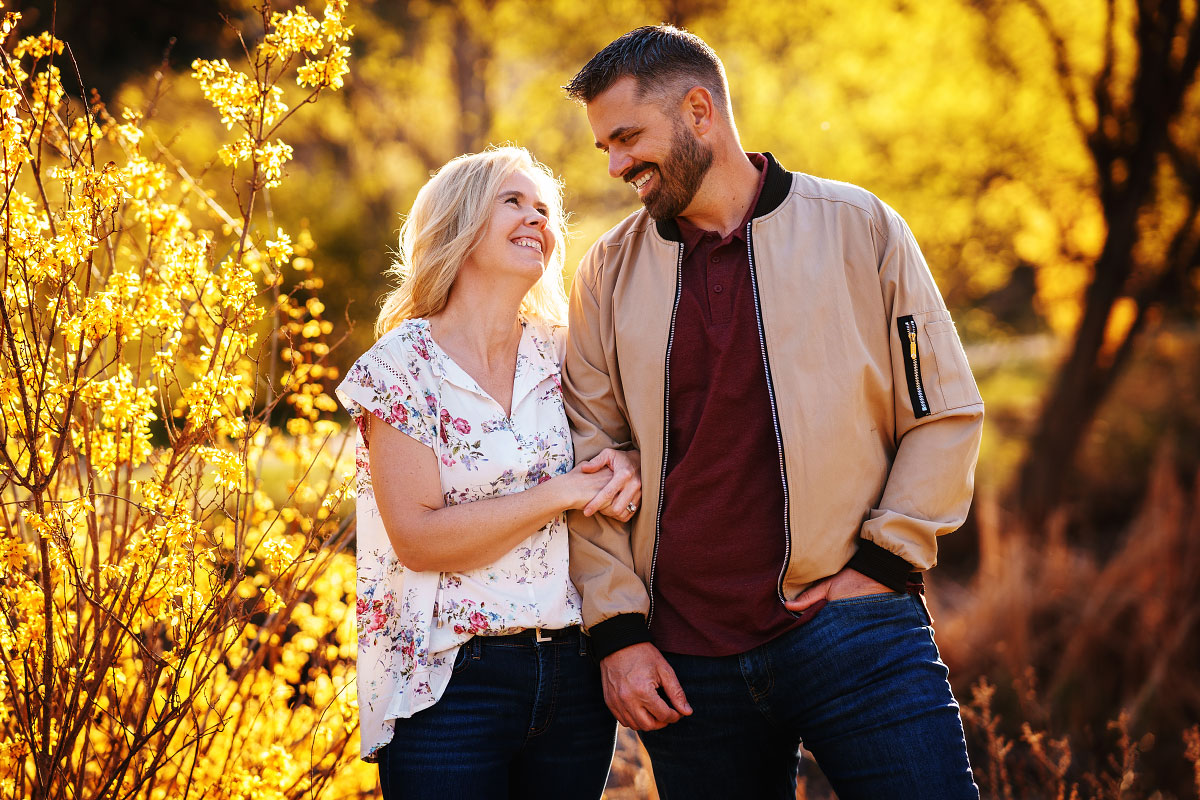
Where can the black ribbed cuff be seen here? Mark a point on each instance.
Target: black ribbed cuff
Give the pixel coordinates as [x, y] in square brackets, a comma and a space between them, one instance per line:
[617, 633]
[881, 565]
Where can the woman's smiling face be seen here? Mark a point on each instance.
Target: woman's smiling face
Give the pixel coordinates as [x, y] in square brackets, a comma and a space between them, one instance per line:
[517, 240]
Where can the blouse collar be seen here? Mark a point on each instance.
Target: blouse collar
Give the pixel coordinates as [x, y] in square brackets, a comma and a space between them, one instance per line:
[536, 361]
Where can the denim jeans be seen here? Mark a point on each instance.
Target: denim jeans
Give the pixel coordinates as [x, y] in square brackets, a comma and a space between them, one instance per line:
[861, 684]
[520, 719]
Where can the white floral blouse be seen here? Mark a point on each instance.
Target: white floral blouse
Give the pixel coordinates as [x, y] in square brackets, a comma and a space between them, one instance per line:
[411, 624]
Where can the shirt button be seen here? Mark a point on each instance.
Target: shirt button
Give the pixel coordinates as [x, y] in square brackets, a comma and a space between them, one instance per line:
[716, 259]
[718, 289]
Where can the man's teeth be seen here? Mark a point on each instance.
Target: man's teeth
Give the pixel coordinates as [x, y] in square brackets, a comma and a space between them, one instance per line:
[641, 180]
[534, 243]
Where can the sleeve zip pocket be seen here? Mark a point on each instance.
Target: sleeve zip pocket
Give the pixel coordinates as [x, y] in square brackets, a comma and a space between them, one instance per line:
[907, 330]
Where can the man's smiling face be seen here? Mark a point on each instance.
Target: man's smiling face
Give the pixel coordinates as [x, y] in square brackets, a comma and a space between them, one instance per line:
[649, 147]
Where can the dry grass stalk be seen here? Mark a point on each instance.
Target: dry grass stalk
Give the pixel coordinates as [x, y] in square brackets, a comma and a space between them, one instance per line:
[1111, 639]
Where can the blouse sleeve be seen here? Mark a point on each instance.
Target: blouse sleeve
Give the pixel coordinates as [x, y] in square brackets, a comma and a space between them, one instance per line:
[396, 389]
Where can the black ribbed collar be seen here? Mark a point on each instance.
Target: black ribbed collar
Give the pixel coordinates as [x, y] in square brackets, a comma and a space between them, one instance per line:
[774, 192]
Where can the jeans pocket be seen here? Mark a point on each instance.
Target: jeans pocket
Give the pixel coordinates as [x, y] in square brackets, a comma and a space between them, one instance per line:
[867, 599]
[468, 653]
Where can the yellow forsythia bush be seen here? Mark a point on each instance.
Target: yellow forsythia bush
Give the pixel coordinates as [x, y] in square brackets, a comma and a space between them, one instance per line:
[176, 588]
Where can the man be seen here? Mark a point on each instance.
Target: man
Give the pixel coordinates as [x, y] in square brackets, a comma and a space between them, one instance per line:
[775, 346]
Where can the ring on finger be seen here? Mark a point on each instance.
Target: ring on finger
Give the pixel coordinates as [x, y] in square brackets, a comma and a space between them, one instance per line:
[632, 507]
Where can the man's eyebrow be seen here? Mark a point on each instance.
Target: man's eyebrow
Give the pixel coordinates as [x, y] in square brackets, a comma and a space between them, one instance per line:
[616, 133]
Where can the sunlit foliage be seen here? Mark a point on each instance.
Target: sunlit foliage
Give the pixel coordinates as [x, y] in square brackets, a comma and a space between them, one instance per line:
[175, 592]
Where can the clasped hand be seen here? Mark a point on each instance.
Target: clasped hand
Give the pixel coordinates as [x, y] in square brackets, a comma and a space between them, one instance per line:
[610, 483]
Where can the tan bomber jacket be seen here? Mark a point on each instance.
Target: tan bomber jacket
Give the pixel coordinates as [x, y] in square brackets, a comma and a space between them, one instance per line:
[877, 415]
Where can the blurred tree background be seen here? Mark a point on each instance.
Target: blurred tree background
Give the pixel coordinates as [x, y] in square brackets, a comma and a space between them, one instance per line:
[1046, 155]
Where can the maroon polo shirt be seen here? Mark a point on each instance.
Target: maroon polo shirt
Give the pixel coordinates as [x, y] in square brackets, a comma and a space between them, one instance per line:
[721, 544]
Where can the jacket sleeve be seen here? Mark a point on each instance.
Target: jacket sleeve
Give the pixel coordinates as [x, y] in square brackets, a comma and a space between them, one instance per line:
[615, 601]
[938, 418]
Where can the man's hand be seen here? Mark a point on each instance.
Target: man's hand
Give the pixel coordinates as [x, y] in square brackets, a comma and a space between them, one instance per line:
[632, 677]
[847, 583]
[624, 491]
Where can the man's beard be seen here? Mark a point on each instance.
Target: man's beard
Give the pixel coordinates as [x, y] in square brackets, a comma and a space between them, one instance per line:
[679, 175]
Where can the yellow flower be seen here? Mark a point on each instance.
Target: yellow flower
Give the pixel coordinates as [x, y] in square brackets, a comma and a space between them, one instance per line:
[12, 553]
[83, 131]
[240, 98]
[329, 71]
[10, 22]
[39, 46]
[293, 32]
[237, 151]
[280, 249]
[271, 156]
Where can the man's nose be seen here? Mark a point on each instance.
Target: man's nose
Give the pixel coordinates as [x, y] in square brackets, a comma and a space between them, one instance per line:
[618, 162]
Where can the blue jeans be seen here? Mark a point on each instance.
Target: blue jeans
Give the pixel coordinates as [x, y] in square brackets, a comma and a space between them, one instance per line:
[520, 719]
[861, 684]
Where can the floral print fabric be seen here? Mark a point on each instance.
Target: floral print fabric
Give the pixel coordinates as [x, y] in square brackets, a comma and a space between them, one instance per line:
[411, 624]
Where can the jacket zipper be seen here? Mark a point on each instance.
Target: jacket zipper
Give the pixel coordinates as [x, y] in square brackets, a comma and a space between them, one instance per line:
[916, 363]
[662, 481]
[907, 330]
[762, 342]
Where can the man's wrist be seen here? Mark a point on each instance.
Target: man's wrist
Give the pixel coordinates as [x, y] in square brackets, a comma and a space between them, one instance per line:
[880, 565]
[617, 633]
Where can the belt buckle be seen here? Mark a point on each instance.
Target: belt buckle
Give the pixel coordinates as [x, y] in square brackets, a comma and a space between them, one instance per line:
[538, 637]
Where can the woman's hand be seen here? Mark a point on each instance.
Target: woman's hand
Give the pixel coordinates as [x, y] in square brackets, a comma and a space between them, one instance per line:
[582, 484]
[619, 499]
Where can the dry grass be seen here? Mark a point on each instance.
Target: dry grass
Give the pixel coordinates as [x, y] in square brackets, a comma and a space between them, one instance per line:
[1083, 676]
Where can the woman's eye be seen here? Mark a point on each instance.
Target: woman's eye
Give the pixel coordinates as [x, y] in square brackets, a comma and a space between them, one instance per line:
[513, 200]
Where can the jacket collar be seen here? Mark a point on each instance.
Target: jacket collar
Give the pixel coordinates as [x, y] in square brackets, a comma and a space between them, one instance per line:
[774, 192]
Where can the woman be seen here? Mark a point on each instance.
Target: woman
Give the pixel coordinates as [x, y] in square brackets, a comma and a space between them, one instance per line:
[473, 674]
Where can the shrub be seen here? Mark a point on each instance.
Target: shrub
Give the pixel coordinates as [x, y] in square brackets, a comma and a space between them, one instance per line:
[176, 594]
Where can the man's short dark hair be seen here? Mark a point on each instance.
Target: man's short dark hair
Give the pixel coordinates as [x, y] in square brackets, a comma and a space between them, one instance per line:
[663, 59]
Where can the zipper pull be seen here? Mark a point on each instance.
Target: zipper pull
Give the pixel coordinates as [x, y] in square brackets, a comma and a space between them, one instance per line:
[912, 344]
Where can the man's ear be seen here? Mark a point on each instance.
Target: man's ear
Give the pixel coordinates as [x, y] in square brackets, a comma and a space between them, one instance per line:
[700, 113]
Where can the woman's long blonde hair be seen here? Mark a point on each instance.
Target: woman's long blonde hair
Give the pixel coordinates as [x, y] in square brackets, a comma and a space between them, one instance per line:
[448, 220]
